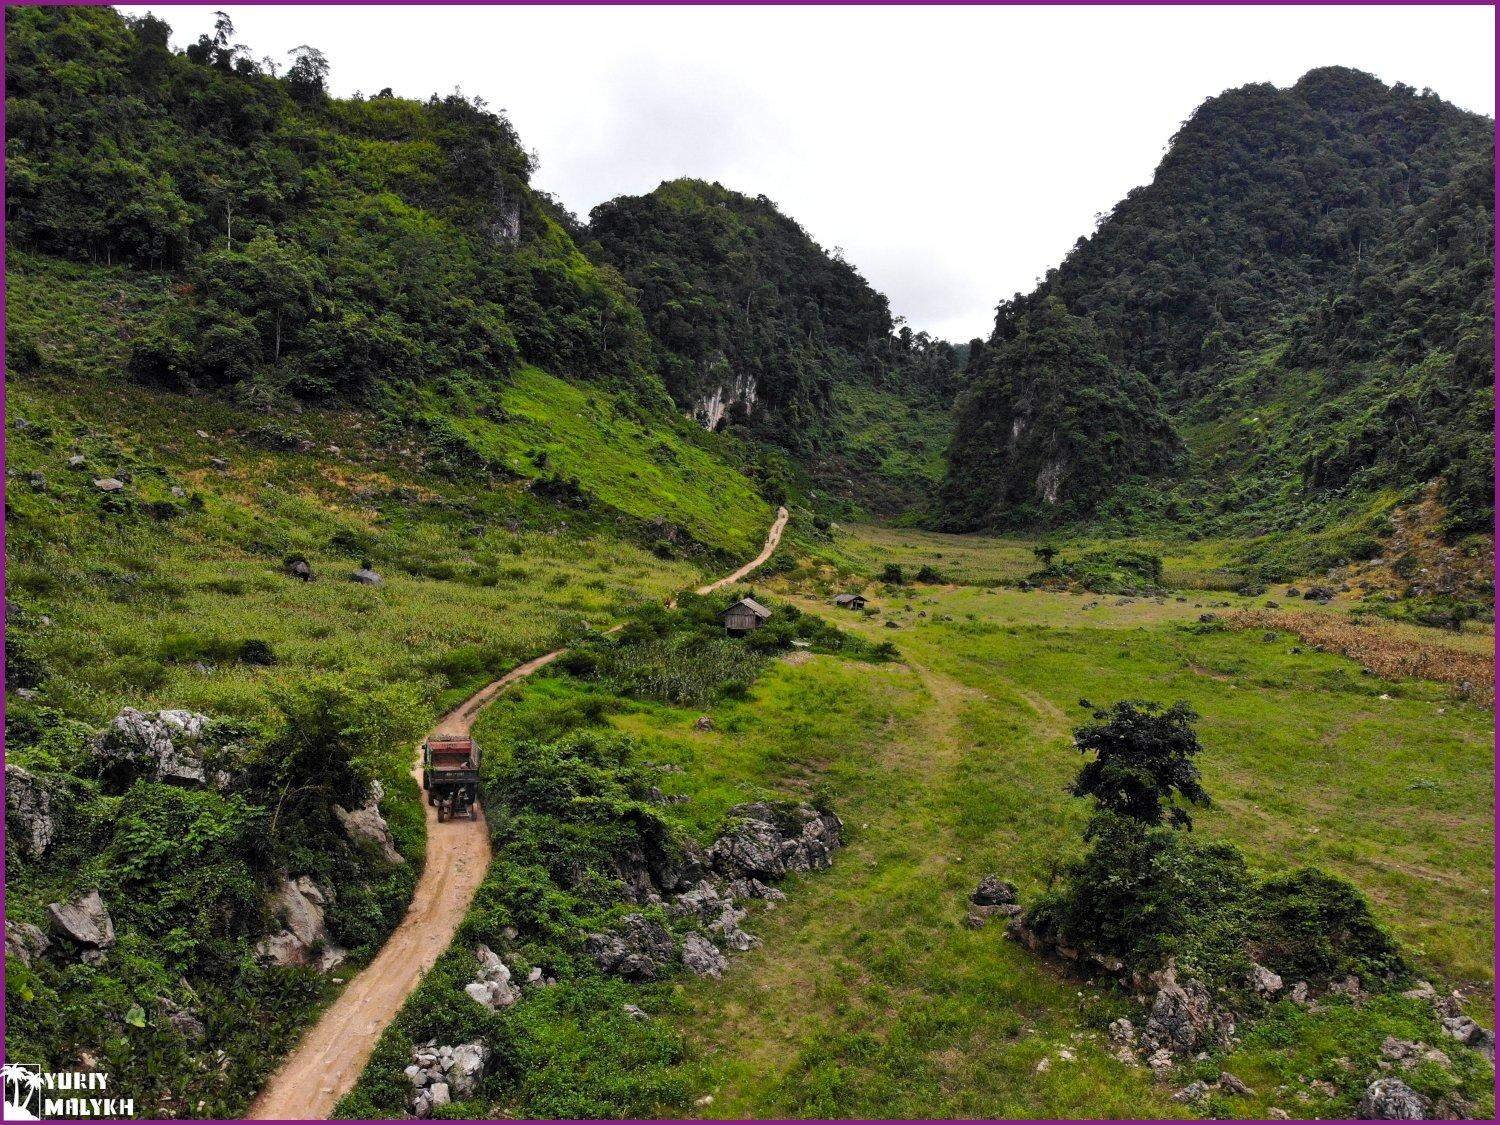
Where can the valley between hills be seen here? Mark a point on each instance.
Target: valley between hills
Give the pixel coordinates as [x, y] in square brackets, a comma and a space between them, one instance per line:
[1091, 720]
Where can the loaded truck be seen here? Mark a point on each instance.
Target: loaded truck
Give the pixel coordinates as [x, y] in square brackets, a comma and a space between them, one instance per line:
[450, 775]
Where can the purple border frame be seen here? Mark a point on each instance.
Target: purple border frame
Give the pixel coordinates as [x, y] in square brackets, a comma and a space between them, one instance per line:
[4, 483]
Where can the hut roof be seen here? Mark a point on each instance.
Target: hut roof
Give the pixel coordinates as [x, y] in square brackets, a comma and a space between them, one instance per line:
[846, 599]
[753, 606]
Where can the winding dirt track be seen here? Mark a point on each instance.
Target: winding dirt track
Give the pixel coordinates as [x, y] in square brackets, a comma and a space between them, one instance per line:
[330, 1057]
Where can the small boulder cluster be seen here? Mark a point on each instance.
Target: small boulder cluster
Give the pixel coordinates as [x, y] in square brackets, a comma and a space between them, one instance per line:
[763, 843]
[440, 1074]
[494, 986]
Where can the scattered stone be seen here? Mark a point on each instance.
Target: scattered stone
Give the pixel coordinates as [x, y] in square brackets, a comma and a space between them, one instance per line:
[367, 577]
[300, 569]
[703, 722]
[28, 812]
[1122, 1032]
[1422, 991]
[1275, 1113]
[1349, 987]
[24, 941]
[492, 985]
[1470, 1034]
[84, 920]
[109, 484]
[702, 957]
[366, 828]
[993, 891]
[1406, 1054]
[634, 1012]
[638, 951]
[1264, 981]
[1161, 1062]
[1043, 1065]
[1234, 1086]
[439, 1075]
[297, 905]
[178, 492]
[76, 461]
[219, 463]
[1300, 992]
[1390, 1099]
[1193, 1093]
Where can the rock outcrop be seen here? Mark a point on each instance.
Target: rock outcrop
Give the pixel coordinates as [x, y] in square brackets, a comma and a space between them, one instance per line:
[994, 896]
[367, 829]
[84, 921]
[1390, 1099]
[298, 906]
[166, 746]
[638, 950]
[702, 957]
[717, 913]
[24, 941]
[1184, 1018]
[767, 841]
[28, 812]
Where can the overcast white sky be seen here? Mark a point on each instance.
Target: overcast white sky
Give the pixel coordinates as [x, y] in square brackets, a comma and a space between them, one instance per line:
[955, 154]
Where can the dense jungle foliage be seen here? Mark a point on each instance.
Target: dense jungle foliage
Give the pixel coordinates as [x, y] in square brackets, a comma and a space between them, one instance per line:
[1306, 285]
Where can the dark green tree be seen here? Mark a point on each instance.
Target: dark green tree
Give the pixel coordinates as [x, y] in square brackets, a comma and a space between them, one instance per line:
[1143, 766]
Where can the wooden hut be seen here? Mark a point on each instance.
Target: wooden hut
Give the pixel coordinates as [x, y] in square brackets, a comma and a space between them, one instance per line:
[745, 615]
[849, 601]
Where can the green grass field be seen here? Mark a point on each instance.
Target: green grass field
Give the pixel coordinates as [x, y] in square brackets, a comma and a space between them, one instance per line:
[869, 997]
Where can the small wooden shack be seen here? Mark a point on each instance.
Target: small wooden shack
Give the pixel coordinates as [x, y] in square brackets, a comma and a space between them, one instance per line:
[849, 601]
[745, 615]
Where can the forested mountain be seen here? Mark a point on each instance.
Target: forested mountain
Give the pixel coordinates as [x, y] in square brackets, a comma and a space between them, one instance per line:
[1306, 285]
[323, 247]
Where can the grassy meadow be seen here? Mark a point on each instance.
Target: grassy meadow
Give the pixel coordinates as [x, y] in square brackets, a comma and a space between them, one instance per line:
[869, 996]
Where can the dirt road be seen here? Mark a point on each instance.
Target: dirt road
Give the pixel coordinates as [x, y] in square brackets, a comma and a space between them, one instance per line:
[328, 1060]
[772, 539]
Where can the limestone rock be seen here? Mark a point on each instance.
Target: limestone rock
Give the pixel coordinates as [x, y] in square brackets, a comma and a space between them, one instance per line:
[492, 986]
[367, 577]
[366, 828]
[297, 904]
[637, 951]
[438, 1075]
[28, 812]
[1183, 1017]
[766, 841]
[702, 957]
[167, 746]
[24, 941]
[83, 920]
[993, 891]
[1264, 981]
[1390, 1099]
